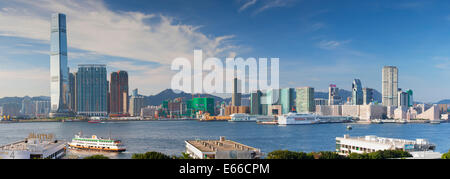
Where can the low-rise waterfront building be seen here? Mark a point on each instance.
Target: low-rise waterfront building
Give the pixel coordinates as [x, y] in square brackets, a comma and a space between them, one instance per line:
[367, 144]
[430, 114]
[36, 146]
[329, 110]
[221, 149]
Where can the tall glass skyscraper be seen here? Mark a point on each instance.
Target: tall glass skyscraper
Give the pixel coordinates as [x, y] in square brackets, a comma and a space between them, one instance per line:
[92, 86]
[357, 93]
[59, 72]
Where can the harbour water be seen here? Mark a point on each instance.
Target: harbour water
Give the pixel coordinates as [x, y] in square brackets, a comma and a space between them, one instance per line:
[169, 136]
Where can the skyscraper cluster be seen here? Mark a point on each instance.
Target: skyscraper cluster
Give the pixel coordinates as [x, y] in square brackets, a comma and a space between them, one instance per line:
[86, 92]
[282, 101]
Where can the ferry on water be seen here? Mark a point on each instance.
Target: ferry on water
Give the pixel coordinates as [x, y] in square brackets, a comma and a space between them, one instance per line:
[240, 117]
[96, 143]
[296, 118]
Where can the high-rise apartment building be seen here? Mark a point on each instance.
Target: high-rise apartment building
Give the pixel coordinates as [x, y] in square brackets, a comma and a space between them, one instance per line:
[390, 86]
[333, 95]
[402, 99]
[136, 103]
[255, 103]
[119, 93]
[410, 98]
[236, 96]
[287, 100]
[367, 95]
[357, 92]
[59, 72]
[305, 100]
[92, 90]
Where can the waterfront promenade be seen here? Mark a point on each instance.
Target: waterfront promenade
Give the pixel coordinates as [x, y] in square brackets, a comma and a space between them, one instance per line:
[168, 137]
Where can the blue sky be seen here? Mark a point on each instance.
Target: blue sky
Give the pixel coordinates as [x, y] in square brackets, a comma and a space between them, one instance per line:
[318, 42]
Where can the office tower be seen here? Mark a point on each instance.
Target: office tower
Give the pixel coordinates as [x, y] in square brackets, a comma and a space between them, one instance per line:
[42, 108]
[333, 95]
[119, 93]
[136, 103]
[236, 97]
[402, 98]
[27, 108]
[367, 95]
[72, 91]
[410, 98]
[287, 100]
[255, 102]
[357, 93]
[59, 72]
[92, 90]
[305, 100]
[390, 86]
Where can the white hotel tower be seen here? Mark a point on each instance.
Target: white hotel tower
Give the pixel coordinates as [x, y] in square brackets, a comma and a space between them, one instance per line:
[59, 72]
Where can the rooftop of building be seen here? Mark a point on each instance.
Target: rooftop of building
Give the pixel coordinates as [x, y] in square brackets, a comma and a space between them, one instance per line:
[36, 143]
[220, 145]
[384, 140]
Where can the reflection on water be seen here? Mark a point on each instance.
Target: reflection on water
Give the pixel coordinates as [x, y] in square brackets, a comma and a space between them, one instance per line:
[169, 136]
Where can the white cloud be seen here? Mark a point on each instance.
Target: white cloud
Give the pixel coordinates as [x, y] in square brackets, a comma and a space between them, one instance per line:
[99, 33]
[331, 44]
[247, 4]
[93, 27]
[264, 5]
[273, 4]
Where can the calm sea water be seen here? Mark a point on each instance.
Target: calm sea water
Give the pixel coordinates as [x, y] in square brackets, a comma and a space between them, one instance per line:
[169, 136]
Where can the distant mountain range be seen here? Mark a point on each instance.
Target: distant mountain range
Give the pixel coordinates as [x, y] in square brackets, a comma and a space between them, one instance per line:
[445, 101]
[19, 100]
[169, 94]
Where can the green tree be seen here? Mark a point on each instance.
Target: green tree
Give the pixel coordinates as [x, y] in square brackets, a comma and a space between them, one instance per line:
[184, 156]
[286, 154]
[446, 155]
[151, 155]
[330, 155]
[97, 157]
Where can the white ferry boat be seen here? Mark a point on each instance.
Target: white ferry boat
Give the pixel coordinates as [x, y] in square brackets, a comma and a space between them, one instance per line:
[96, 143]
[239, 117]
[296, 118]
[35, 146]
